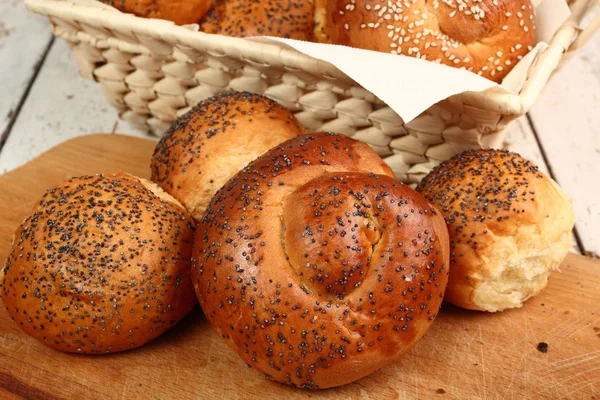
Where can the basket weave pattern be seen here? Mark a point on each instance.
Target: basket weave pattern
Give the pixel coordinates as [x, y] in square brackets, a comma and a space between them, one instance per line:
[153, 71]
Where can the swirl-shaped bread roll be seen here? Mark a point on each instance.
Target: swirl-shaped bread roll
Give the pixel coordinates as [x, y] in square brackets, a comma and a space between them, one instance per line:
[316, 265]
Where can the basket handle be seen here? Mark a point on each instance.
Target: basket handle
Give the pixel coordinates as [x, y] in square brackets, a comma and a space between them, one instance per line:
[568, 38]
[586, 33]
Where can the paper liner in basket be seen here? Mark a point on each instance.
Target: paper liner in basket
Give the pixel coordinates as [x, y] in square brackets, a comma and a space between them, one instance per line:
[410, 85]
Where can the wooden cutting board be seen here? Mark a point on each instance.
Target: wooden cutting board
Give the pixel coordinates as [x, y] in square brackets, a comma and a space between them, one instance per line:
[465, 355]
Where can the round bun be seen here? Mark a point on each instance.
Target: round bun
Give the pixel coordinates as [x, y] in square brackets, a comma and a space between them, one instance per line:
[316, 271]
[180, 12]
[214, 141]
[487, 37]
[102, 265]
[244, 18]
[509, 225]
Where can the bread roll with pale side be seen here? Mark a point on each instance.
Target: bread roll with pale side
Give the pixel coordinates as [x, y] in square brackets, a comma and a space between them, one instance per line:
[509, 225]
[214, 141]
[487, 37]
[101, 265]
[316, 265]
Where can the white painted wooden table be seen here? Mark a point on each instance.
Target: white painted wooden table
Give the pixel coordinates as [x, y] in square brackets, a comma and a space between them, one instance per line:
[44, 102]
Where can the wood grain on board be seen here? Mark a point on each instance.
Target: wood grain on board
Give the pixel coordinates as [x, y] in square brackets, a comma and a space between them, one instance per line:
[23, 40]
[464, 355]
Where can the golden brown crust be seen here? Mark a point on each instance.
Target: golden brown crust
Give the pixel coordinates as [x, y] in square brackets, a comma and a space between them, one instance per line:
[243, 18]
[214, 141]
[487, 37]
[101, 265]
[320, 34]
[180, 12]
[509, 225]
[316, 271]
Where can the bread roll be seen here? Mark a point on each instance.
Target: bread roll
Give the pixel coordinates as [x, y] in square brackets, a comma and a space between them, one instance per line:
[101, 265]
[509, 225]
[317, 266]
[180, 12]
[320, 34]
[487, 37]
[214, 141]
[242, 18]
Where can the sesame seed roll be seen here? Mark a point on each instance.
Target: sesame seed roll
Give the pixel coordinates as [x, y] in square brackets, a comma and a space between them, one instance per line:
[486, 37]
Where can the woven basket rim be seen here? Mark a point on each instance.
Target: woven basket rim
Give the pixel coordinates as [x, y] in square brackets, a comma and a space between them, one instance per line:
[277, 55]
[247, 48]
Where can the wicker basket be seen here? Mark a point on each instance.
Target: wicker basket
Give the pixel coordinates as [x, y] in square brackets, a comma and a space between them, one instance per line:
[152, 71]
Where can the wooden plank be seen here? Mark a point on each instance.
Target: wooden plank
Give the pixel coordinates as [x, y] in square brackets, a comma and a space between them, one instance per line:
[567, 122]
[464, 355]
[521, 139]
[61, 105]
[24, 38]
